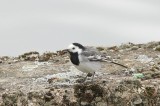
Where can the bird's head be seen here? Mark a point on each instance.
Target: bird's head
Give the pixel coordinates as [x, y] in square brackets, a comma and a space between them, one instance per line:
[75, 48]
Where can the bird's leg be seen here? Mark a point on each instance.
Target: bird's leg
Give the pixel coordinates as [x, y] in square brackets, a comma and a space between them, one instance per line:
[85, 78]
[93, 76]
[88, 75]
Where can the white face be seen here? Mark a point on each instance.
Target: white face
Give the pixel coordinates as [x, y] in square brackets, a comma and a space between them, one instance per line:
[72, 48]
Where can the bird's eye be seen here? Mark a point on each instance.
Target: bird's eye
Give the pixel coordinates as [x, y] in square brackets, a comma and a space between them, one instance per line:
[73, 48]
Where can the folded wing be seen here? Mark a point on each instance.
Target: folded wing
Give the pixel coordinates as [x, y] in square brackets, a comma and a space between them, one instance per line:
[94, 55]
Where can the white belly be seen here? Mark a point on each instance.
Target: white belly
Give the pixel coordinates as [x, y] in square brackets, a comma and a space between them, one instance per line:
[88, 67]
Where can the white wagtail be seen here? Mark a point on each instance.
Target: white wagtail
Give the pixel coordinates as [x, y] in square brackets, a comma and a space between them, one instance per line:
[87, 59]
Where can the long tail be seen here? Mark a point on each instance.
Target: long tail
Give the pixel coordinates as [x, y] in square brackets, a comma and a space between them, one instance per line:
[119, 64]
[110, 61]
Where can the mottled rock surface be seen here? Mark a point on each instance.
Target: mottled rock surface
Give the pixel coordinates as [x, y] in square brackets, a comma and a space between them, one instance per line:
[49, 79]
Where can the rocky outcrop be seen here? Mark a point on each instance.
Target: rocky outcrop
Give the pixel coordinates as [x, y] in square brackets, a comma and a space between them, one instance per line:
[48, 79]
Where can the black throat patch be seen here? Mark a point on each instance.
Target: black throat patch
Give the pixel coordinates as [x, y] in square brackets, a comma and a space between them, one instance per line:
[74, 58]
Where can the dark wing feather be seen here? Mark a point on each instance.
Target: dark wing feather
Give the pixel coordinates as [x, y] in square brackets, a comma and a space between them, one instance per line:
[94, 55]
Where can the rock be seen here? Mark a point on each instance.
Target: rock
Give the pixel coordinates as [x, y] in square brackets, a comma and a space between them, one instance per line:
[144, 59]
[14, 99]
[1, 61]
[98, 99]
[29, 67]
[150, 91]
[130, 71]
[101, 104]
[29, 56]
[134, 48]
[100, 48]
[157, 48]
[61, 52]
[23, 82]
[5, 58]
[126, 46]
[152, 44]
[114, 48]
[86, 93]
[47, 56]
[156, 75]
[136, 99]
[48, 96]
[131, 84]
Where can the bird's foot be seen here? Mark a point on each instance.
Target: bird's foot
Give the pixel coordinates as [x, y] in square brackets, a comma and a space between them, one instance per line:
[81, 80]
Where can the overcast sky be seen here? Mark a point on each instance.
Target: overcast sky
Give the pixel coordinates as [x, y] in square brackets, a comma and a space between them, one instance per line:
[50, 25]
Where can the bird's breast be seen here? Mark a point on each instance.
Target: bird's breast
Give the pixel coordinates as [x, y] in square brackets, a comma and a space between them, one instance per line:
[87, 67]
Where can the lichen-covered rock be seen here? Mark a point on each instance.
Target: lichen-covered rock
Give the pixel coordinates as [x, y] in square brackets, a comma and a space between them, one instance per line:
[100, 48]
[14, 99]
[46, 56]
[152, 44]
[29, 56]
[113, 48]
[88, 94]
[1, 61]
[61, 52]
[113, 85]
[126, 45]
[127, 92]
[134, 47]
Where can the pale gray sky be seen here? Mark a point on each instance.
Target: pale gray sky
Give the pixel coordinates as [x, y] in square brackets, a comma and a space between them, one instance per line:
[49, 25]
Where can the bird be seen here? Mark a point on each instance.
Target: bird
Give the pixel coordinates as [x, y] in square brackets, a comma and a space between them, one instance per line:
[87, 59]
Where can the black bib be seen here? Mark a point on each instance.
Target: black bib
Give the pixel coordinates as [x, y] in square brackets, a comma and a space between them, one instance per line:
[74, 58]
